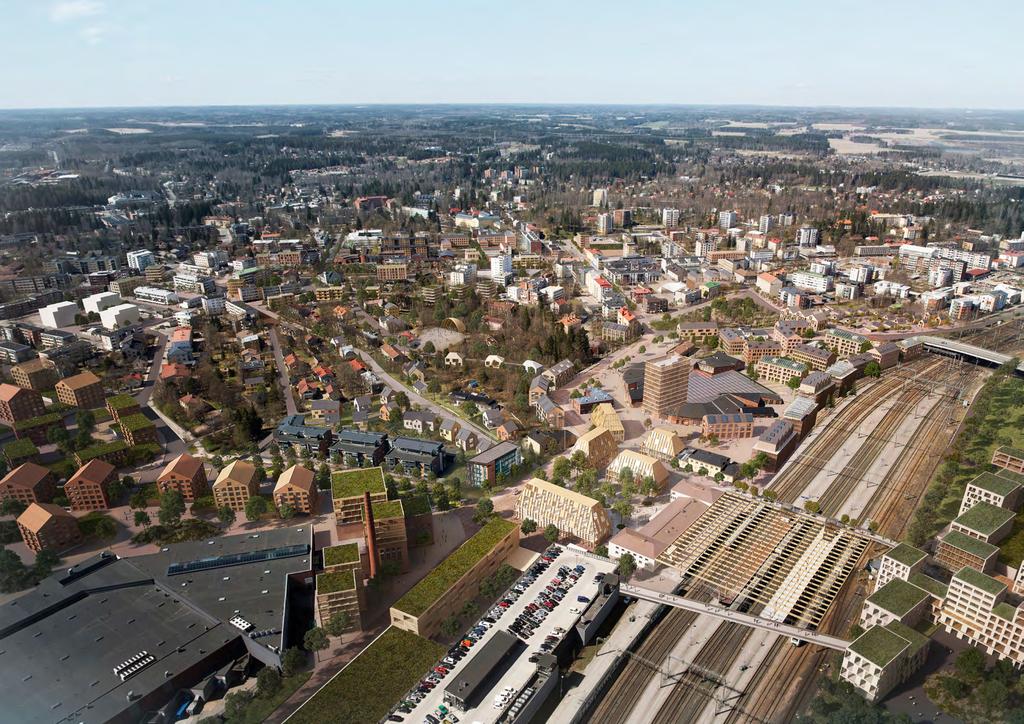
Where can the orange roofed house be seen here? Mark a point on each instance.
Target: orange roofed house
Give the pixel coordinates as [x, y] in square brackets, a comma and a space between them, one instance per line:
[45, 525]
[235, 485]
[297, 488]
[17, 403]
[87, 488]
[83, 390]
[185, 474]
[29, 483]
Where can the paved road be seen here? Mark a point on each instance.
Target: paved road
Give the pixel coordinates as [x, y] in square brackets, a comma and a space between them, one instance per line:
[485, 437]
[282, 371]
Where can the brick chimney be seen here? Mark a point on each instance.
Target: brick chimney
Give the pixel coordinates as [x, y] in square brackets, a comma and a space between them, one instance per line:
[371, 534]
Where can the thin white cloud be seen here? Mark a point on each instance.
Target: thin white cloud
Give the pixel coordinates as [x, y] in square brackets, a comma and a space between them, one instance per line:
[93, 34]
[68, 10]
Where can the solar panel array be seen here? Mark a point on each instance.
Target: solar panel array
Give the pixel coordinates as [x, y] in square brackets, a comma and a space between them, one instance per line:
[237, 559]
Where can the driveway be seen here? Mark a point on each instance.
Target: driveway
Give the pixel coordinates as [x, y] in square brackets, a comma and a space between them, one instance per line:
[282, 371]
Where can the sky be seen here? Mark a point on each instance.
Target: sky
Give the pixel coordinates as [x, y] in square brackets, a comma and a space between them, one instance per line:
[905, 53]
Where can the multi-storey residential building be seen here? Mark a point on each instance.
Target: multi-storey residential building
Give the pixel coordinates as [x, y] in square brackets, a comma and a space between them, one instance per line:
[348, 488]
[35, 374]
[999, 490]
[816, 283]
[666, 381]
[140, 259]
[641, 465]
[663, 443]
[185, 474]
[844, 343]
[84, 390]
[956, 550]
[882, 658]
[985, 521]
[577, 516]
[1006, 457]
[903, 561]
[296, 487]
[390, 538]
[59, 314]
[126, 286]
[29, 483]
[816, 358]
[18, 403]
[807, 236]
[598, 446]
[897, 600]
[730, 426]
[727, 219]
[87, 488]
[392, 271]
[497, 461]
[235, 484]
[604, 416]
[339, 591]
[560, 373]
[361, 448]
[48, 526]
[780, 370]
[330, 294]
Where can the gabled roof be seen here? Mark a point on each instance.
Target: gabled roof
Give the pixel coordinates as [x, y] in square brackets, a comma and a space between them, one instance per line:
[239, 471]
[37, 515]
[184, 464]
[25, 477]
[94, 471]
[296, 476]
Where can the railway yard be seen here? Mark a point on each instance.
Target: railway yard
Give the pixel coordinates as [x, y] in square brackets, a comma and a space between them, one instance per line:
[871, 460]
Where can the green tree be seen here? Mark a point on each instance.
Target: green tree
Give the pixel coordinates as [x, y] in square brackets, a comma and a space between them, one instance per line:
[46, 561]
[10, 506]
[626, 565]
[794, 382]
[236, 703]
[626, 476]
[255, 507]
[528, 526]
[292, 661]
[338, 623]
[601, 550]
[268, 682]
[142, 518]
[14, 575]
[872, 369]
[812, 506]
[115, 491]
[970, 663]
[286, 511]
[450, 626]
[226, 515]
[85, 420]
[315, 639]
[551, 533]
[172, 507]
[561, 468]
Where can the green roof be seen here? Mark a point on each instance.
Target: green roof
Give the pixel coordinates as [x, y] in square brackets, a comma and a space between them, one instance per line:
[927, 583]
[879, 645]
[897, 596]
[47, 419]
[998, 484]
[353, 483]
[906, 554]
[1010, 475]
[916, 638]
[22, 448]
[335, 581]
[344, 553]
[136, 422]
[1004, 611]
[100, 449]
[427, 592]
[384, 509]
[785, 362]
[1012, 451]
[978, 579]
[416, 505]
[966, 543]
[985, 518]
[122, 402]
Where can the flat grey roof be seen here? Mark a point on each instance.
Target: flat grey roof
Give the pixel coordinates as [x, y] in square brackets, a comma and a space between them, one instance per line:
[466, 686]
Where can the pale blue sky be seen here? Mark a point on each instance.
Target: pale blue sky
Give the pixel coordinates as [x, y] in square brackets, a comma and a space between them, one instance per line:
[934, 53]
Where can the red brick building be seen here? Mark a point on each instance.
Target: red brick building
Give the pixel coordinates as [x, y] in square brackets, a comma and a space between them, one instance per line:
[45, 525]
[29, 483]
[185, 474]
[87, 488]
[17, 403]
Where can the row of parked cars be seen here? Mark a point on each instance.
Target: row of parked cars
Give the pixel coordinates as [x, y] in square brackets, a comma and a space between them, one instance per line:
[443, 715]
[546, 602]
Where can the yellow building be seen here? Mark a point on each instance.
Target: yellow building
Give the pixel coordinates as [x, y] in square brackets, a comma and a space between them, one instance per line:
[604, 415]
[598, 446]
[575, 515]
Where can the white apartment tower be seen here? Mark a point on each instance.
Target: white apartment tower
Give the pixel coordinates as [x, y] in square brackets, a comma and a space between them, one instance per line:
[670, 217]
[141, 259]
[726, 219]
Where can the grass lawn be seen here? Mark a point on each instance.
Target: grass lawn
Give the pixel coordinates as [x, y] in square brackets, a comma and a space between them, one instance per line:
[260, 708]
[366, 689]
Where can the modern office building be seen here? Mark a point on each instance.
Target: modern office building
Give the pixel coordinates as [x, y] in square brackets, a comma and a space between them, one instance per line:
[87, 488]
[296, 487]
[84, 390]
[665, 384]
[235, 484]
[575, 515]
[187, 475]
[497, 461]
[140, 259]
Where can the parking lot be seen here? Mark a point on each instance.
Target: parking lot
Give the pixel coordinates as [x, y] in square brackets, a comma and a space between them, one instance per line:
[560, 616]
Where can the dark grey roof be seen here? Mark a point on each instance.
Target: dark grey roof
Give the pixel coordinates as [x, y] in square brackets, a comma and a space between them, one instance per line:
[710, 458]
[704, 388]
[467, 685]
[494, 453]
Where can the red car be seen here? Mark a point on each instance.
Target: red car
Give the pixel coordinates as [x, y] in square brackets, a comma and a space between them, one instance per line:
[467, 642]
[440, 670]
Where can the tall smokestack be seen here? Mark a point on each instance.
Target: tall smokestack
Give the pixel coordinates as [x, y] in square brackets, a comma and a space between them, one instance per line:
[371, 534]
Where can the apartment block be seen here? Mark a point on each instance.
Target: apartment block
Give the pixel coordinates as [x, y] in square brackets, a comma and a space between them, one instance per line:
[185, 474]
[29, 483]
[87, 488]
[235, 484]
[494, 463]
[985, 521]
[731, 426]
[576, 516]
[843, 343]
[605, 416]
[1009, 458]
[903, 561]
[956, 550]
[296, 487]
[35, 374]
[814, 357]
[882, 658]
[392, 272]
[339, 591]
[998, 490]
[392, 543]
[19, 403]
[48, 526]
[347, 489]
[665, 384]
[598, 445]
[780, 370]
[84, 390]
